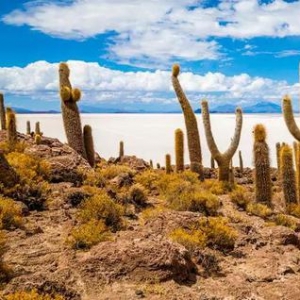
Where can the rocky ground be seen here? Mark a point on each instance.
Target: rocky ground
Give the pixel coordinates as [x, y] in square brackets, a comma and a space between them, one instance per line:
[141, 261]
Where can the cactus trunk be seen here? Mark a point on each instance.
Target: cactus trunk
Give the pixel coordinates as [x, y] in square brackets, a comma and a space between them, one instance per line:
[193, 136]
[121, 149]
[179, 150]
[2, 113]
[168, 164]
[89, 144]
[241, 162]
[11, 126]
[28, 128]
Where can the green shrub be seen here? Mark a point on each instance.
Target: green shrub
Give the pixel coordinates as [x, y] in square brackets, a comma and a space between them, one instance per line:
[102, 207]
[88, 234]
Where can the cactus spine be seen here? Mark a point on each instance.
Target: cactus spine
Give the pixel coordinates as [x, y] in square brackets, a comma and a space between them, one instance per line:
[179, 150]
[288, 175]
[2, 113]
[28, 128]
[121, 149]
[222, 159]
[262, 176]
[70, 111]
[89, 144]
[193, 136]
[241, 162]
[11, 127]
[168, 164]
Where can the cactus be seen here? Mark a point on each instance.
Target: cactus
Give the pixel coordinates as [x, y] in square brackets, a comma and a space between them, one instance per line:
[262, 176]
[289, 119]
[8, 176]
[222, 159]
[70, 111]
[121, 149]
[193, 136]
[179, 150]
[212, 162]
[241, 162]
[231, 172]
[89, 144]
[288, 175]
[37, 139]
[151, 164]
[168, 164]
[297, 164]
[278, 147]
[37, 129]
[158, 166]
[11, 127]
[2, 113]
[28, 128]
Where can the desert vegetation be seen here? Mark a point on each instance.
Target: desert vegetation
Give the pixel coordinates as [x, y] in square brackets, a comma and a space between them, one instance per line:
[73, 224]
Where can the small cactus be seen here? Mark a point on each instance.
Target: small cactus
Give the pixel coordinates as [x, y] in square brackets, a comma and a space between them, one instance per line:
[37, 139]
[151, 164]
[70, 111]
[223, 159]
[179, 150]
[28, 128]
[11, 127]
[168, 164]
[2, 113]
[193, 136]
[158, 166]
[89, 144]
[121, 149]
[37, 128]
[288, 175]
[262, 176]
[241, 162]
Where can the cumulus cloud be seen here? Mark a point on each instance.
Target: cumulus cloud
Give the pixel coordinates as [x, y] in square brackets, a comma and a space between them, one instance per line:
[100, 84]
[157, 30]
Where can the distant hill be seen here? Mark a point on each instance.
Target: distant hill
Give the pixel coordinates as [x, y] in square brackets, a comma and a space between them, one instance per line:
[258, 108]
[20, 110]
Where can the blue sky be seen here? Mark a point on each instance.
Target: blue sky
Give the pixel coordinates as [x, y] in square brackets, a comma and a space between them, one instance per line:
[121, 52]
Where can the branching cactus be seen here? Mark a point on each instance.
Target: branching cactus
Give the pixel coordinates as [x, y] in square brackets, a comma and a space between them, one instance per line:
[288, 175]
[168, 164]
[262, 175]
[2, 112]
[179, 150]
[28, 128]
[70, 111]
[289, 119]
[89, 144]
[121, 149]
[11, 125]
[241, 162]
[193, 136]
[222, 159]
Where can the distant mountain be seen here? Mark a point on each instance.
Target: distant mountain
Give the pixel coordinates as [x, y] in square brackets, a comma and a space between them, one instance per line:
[258, 108]
[20, 110]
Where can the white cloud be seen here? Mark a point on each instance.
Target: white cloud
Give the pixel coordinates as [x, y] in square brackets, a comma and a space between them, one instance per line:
[100, 84]
[156, 30]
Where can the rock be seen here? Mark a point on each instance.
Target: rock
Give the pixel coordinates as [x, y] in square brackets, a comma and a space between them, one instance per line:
[123, 179]
[134, 163]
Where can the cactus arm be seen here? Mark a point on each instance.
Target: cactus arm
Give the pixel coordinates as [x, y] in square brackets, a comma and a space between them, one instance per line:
[213, 148]
[237, 134]
[289, 117]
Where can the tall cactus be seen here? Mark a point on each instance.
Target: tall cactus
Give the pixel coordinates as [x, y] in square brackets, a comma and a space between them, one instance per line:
[168, 164]
[28, 128]
[89, 144]
[2, 112]
[70, 111]
[262, 174]
[241, 162]
[222, 159]
[288, 175]
[11, 125]
[193, 136]
[179, 150]
[289, 119]
[297, 164]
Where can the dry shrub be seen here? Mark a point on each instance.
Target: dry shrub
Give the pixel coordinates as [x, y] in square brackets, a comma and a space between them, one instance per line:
[240, 197]
[138, 194]
[284, 220]
[258, 209]
[31, 295]
[10, 214]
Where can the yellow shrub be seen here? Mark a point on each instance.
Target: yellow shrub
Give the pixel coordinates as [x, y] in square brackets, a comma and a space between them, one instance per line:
[294, 210]
[221, 187]
[219, 234]
[259, 210]
[148, 179]
[102, 207]
[31, 295]
[112, 171]
[286, 221]
[91, 233]
[240, 197]
[93, 178]
[192, 239]
[138, 194]
[16, 147]
[10, 214]
[29, 168]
